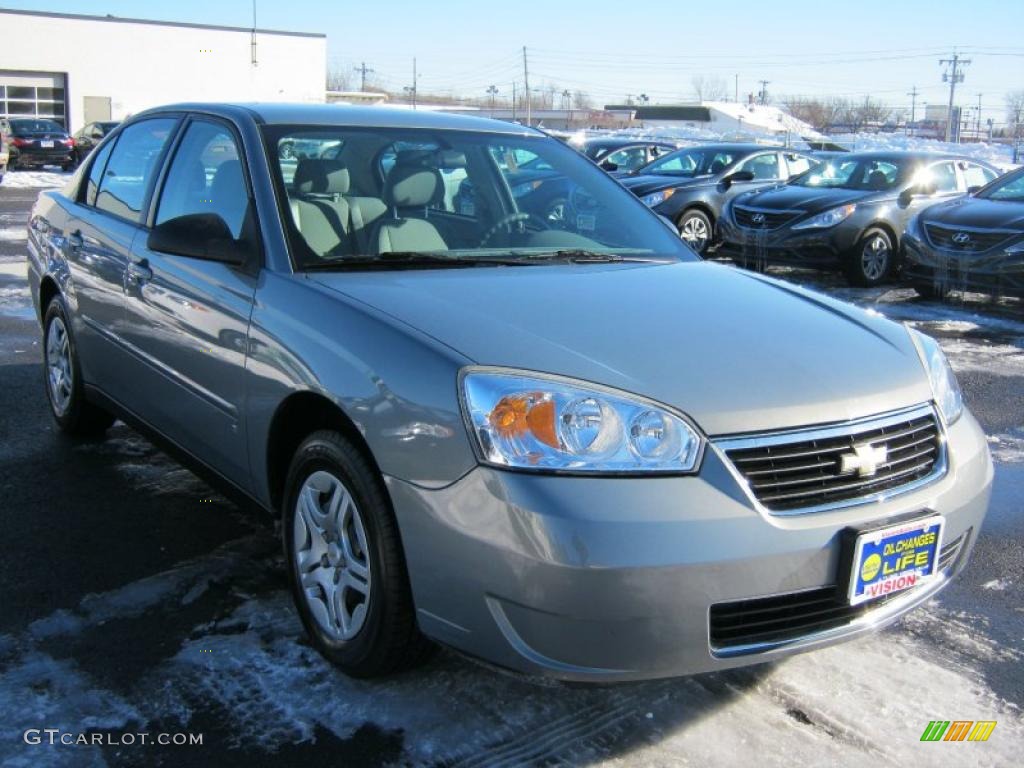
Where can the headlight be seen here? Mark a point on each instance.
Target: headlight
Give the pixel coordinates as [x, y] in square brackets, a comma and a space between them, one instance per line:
[827, 218]
[1017, 249]
[657, 198]
[539, 422]
[945, 387]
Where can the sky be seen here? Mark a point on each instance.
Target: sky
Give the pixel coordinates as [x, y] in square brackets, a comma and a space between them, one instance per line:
[611, 49]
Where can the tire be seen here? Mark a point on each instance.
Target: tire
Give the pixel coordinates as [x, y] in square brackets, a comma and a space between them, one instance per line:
[931, 291]
[696, 230]
[62, 378]
[872, 260]
[347, 520]
[68, 167]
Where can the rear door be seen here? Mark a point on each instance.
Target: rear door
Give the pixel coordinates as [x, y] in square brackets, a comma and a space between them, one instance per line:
[187, 318]
[100, 232]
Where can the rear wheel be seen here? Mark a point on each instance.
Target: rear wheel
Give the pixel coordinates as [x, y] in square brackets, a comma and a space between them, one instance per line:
[64, 389]
[932, 291]
[870, 262]
[345, 561]
[695, 229]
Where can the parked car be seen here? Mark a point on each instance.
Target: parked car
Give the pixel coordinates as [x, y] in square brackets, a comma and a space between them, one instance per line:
[691, 186]
[34, 141]
[4, 156]
[849, 212]
[588, 455]
[90, 135]
[616, 153]
[971, 243]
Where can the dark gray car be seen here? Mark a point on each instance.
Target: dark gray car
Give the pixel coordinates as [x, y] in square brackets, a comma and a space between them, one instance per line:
[848, 213]
[578, 451]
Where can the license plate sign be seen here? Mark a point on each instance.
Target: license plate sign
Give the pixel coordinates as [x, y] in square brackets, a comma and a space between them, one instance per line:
[895, 558]
[46, 144]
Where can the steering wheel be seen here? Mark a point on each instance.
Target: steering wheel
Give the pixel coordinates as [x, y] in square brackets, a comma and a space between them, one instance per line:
[510, 219]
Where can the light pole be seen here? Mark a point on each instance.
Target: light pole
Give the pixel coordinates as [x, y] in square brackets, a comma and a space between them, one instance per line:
[492, 91]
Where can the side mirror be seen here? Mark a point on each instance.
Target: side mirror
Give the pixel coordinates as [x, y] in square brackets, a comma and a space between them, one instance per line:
[737, 176]
[973, 189]
[199, 236]
[608, 165]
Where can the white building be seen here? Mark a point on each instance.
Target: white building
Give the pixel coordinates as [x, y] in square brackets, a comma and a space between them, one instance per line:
[80, 69]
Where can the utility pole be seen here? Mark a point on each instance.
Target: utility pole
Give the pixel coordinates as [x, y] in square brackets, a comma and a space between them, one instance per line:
[954, 74]
[977, 121]
[363, 70]
[764, 91]
[493, 91]
[252, 42]
[913, 108]
[736, 93]
[411, 89]
[526, 83]
[513, 101]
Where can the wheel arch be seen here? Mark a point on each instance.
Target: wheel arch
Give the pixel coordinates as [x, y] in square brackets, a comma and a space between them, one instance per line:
[296, 417]
[698, 205]
[48, 288]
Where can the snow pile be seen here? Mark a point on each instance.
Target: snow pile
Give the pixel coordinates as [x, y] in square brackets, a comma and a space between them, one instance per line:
[34, 179]
[1000, 155]
[762, 117]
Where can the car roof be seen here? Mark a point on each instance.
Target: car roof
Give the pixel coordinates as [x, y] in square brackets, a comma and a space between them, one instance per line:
[904, 155]
[742, 147]
[349, 116]
[621, 141]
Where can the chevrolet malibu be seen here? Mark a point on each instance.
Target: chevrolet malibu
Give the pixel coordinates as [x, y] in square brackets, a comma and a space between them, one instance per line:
[578, 452]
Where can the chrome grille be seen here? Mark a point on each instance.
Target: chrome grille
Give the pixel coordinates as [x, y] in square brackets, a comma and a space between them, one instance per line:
[791, 616]
[807, 470]
[746, 217]
[970, 240]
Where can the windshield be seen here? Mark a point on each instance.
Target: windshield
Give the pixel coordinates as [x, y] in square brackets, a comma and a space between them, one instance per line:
[696, 161]
[1009, 188]
[357, 196]
[871, 174]
[35, 126]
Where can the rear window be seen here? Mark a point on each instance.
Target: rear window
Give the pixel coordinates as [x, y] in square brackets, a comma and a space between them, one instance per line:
[35, 126]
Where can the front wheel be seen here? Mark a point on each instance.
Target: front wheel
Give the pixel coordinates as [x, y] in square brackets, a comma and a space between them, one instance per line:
[695, 229]
[871, 260]
[345, 561]
[63, 378]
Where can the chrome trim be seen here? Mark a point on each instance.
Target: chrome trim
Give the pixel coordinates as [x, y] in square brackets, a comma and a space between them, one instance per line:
[722, 445]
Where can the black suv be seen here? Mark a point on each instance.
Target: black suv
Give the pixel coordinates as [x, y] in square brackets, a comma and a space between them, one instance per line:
[89, 136]
[35, 141]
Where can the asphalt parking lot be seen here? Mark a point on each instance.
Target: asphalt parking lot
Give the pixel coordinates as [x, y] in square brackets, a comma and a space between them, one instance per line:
[136, 599]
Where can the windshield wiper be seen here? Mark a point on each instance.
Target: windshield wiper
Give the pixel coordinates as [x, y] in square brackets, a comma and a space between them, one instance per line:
[408, 259]
[581, 256]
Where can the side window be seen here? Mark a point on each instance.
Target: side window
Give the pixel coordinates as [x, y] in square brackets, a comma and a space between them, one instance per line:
[627, 159]
[132, 166]
[764, 167]
[943, 176]
[798, 164]
[206, 177]
[96, 173]
[977, 175]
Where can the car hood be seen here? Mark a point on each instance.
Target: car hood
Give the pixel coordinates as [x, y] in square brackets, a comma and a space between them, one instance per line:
[736, 351]
[977, 212]
[645, 184]
[809, 199]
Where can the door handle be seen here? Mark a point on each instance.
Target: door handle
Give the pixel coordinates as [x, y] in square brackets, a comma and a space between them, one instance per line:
[75, 240]
[139, 271]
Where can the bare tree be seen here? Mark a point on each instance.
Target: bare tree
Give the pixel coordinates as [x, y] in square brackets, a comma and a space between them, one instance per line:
[870, 112]
[582, 100]
[338, 78]
[1015, 111]
[712, 88]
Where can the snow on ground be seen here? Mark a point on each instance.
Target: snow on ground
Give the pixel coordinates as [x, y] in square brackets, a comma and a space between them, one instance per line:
[34, 179]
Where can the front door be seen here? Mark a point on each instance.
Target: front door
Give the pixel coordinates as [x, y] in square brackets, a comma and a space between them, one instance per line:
[188, 318]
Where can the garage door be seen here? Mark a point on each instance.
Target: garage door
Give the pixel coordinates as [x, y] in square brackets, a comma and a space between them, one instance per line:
[32, 94]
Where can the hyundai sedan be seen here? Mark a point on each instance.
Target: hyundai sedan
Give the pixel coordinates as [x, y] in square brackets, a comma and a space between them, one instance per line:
[577, 451]
[848, 213]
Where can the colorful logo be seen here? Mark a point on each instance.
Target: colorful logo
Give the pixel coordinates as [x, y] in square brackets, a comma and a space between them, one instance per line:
[958, 730]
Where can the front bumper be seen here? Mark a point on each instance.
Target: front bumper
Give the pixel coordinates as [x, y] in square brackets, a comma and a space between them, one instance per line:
[613, 578]
[815, 248]
[988, 271]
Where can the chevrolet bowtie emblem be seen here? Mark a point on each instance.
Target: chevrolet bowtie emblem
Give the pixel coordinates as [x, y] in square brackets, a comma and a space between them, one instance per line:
[864, 460]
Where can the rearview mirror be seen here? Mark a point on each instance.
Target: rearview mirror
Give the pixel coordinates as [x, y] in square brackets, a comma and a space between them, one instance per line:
[199, 236]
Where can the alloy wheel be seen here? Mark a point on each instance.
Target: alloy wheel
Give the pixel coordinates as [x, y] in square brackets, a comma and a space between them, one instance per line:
[695, 232]
[874, 257]
[58, 366]
[332, 556]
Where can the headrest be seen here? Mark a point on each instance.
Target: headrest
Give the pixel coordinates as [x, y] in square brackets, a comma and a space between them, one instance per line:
[877, 180]
[320, 176]
[411, 186]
